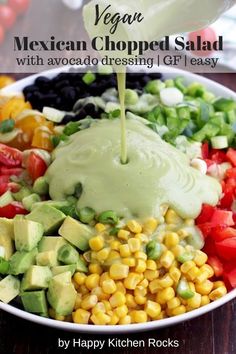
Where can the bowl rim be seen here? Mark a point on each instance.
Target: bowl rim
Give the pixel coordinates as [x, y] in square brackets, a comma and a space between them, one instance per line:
[119, 329]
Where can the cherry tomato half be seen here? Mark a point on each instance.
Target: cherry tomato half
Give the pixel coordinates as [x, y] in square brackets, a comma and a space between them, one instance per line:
[11, 210]
[36, 166]
[10, 157]
[7, 16]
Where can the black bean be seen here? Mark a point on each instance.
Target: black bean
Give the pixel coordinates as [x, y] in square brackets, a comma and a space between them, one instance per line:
[61, 84]
[155, 76]
[90, 109]
[43, 82]
[30, 89]
[67, 118]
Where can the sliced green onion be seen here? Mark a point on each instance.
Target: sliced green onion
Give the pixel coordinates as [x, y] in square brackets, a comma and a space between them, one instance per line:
[108, 217]
[78, 190]
[89, 78]
[86, 215]
[4, 266]
[153, 250]
[7, 126]
[185, 257]
[183, 289]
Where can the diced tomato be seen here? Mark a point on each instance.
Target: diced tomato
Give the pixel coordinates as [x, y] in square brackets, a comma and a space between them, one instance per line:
[205, 228]
[11, 171]
[216, 264]
[206, 214]
[226, 249]
[222, 217]
[11, 210]
[13, 187]
[220, 233]
[209, 163]
[230, 183]
[227, 200]
[231, 172]
[205, 151]
[36, 166]
[230, 277]
[231, 156]
[210, 247]
[4, 179]
[9, 156]
[218, 156]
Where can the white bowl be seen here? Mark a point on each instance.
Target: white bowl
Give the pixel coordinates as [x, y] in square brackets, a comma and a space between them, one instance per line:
[219, 90]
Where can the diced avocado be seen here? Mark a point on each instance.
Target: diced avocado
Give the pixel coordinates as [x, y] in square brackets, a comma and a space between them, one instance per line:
[34, 301]
[76, 233]
[48, 258]
[67, 254]
[6, 227]
[81, 266]
[62, 294]
[29, 201]
[9, 288]
[27, 234]
[62, 269]
[53, 204]
[23, 192]
[7, 237]
[4, 266]
[51, 218]
[21, 261]
[36, 278]
[41, 186]
[51, 243]
[6, 199]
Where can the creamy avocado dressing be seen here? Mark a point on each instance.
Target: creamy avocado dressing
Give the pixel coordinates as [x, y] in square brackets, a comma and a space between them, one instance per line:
[157, 173]
[121, 82]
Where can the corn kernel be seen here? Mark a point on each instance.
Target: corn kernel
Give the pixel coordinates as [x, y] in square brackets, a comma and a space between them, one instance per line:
[134, 226]
[191, 286]
[92, 281]
[134, 244]
[151, 265]
[79, 278]
[202, 276]
[140, 255]
[217, 284]
[119, 271]
[100, 319]
[107, 305]
[115, 245]
[124, 251]
[161, 316]
[129, 261]
[117, 299]
[140, 266]
[96, 243]
[209, 269]
[89, 302]
[81, 316]
[154, 286]
[179, 310]
[166, 281]
[167, 258]
[150, 226]
[99, 293]
[113, 256]
[193, 273]
[83, 289]
[100, 227]
[139, 316]
[175, 273]
[130, 302]
[144, 283]
[186, 266]
[132, 281]
[114, 319]
[177, 250]
[99, 307]
[95, 268]
[142, 238]
[182, 233]
[171, 239]
[173, 303]
[125, 320]
[140, 300]
[195, 301]
[139, 290]
[123, 235]
[78, 301]
[172, 218]
[200, 258]
[218, 293]
[165, 295]
[109, 286]
[204, 288]
[104, 276]
[153, 309]
[120, 287]
[205, 300]
[103, 254]
[151, 274]
[121, 311]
